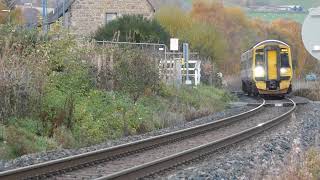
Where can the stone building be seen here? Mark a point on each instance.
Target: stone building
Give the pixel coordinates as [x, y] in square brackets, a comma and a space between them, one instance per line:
[86, 16]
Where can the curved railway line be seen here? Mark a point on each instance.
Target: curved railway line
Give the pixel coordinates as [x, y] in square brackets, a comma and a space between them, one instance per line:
[160, 153]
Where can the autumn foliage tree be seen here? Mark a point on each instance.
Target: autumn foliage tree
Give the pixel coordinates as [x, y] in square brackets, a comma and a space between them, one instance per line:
[203, 37]
[233, 24]
[224, 33]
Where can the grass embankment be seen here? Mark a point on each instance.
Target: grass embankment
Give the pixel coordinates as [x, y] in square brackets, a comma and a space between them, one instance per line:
[100, 116]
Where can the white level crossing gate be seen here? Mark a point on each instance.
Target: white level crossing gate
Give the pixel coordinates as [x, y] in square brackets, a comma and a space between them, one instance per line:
[175, 71]
[172, 67]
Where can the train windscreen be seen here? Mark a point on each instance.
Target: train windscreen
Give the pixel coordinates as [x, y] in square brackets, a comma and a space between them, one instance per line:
[260, 59]
[285, 60]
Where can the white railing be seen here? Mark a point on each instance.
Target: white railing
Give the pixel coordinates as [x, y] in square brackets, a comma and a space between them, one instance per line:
[171, 69]
[176, 70]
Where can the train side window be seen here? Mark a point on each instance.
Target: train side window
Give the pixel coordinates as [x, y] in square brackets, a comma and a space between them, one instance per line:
[260, 60]
[285, 60]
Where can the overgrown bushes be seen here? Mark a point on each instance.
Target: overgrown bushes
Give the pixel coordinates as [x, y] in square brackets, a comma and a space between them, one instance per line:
[51, 94]
[21, 71]
[136, 74]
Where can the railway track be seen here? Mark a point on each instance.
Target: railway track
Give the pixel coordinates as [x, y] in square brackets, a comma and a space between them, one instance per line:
[147, 157]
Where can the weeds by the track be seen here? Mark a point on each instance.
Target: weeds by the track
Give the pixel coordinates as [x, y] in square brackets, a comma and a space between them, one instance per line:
[310, 90]
[302, 166]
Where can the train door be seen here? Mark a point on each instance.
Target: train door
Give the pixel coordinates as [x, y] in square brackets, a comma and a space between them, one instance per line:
[272, 65]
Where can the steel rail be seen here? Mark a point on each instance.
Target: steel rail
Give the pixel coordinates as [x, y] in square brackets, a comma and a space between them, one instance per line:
[194, 153]
[72, 162]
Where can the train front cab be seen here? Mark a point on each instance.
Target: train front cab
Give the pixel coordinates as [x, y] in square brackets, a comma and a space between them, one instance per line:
[272, 66]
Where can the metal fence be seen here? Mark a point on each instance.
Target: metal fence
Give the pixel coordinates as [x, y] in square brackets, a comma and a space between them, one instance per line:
[172, 68]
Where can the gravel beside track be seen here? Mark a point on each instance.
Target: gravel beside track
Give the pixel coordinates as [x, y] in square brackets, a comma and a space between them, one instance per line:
[261, 157]
[173, 148]
[57, 154]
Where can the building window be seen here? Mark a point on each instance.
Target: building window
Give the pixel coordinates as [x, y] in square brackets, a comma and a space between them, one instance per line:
[110, 17]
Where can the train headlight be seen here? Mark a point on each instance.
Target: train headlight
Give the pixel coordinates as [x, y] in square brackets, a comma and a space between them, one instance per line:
[284, 71]
[259, 71]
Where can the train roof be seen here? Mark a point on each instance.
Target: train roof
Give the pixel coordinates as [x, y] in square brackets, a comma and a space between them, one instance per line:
[271, 41]
[265, 42]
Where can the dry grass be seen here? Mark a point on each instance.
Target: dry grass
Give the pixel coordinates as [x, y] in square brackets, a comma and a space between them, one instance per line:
[298, 165]
[310, 90]
[302, 166]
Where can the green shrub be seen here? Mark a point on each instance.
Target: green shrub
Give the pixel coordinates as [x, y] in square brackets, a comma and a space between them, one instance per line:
[138, 117]
[99, 116]
[23, 142]
[135, 73]
[21, 41]
[133, 29]
[24, 136]
[2, 133]
[5, 151]
[166, 91]
[32, 126]
[200, 101]
[64, 137]
[89, 117]
[106, 115]
[43, 143]
[62, 92]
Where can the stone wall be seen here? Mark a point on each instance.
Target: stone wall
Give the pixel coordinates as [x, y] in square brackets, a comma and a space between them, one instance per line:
[87, 15]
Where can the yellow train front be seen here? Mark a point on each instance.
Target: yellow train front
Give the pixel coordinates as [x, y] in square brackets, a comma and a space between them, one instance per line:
[266, 69]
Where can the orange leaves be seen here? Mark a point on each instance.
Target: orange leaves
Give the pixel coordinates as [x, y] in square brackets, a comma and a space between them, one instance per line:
[208, 12]
[222, 17]
[241, 32]
[174, 20]
[232, 23]
[234, 29]
[203, 37]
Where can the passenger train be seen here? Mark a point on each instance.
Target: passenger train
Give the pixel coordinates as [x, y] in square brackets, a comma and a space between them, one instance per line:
[266, 69]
